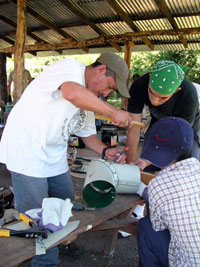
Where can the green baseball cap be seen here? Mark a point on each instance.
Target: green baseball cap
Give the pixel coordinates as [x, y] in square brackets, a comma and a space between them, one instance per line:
[166, 77]
[118, 66]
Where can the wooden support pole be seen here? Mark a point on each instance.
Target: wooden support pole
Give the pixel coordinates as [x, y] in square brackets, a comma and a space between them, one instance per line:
[127, 57]
[19, 49]
[3, 79]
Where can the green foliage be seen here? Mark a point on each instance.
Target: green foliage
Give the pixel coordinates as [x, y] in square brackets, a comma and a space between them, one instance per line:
[144, 61]
[141, 62]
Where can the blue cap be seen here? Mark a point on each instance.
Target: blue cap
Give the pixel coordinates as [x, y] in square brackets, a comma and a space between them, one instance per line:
[167, 139]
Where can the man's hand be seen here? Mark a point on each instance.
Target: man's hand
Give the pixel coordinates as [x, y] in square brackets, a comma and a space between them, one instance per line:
[141, 163]
[121, 118]
[112, 153]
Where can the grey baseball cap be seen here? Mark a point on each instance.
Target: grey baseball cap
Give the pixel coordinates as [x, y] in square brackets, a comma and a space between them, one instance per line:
[118, 66]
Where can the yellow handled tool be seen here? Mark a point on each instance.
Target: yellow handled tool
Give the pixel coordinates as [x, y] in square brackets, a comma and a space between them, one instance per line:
[32, 232]
[107, 118]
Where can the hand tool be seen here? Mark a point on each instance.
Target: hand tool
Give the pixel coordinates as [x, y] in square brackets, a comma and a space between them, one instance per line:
[107, 118]
[80, 169]
[121, 153]
[33, 232]
[80, 206]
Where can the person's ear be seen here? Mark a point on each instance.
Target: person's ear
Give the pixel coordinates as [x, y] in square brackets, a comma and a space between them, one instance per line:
[178, 89]
[101, 69]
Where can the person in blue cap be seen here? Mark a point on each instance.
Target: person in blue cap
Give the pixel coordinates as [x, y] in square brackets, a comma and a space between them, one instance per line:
[165, 92]
[169, 235]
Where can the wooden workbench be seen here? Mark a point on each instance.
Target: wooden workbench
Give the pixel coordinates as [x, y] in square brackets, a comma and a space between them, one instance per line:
[16, 250]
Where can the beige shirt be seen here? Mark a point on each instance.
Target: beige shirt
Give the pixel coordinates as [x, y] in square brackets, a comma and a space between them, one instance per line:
[26, 76]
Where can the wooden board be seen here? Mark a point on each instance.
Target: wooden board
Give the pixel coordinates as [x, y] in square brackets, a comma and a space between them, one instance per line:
[16, 250]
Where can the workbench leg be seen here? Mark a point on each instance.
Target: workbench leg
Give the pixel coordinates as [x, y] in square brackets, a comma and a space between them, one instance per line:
[111, 238]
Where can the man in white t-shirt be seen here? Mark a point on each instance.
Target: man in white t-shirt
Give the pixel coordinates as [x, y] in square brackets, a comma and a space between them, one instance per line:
[59, 102]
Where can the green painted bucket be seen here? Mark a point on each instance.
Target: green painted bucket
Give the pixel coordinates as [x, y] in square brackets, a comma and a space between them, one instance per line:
[105, 179]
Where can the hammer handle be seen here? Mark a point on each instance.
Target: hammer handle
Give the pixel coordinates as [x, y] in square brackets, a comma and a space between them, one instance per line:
[107, 118]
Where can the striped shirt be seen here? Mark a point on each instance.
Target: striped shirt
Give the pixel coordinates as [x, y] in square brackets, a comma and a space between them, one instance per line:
[174, 202]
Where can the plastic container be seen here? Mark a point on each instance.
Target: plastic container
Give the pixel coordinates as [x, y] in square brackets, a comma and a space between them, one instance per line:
[75, 141]
[109, 135]
[104, 179]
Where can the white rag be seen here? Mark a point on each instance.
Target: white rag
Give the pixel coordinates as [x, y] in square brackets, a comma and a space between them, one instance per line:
[56, 211]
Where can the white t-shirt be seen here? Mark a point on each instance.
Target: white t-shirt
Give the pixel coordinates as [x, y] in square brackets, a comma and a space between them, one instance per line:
[35, 138]
[197, 86]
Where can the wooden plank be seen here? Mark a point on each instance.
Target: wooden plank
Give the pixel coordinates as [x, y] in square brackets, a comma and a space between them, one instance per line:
[19, 249]
[121, 38]
[115, 223]
[146, 177]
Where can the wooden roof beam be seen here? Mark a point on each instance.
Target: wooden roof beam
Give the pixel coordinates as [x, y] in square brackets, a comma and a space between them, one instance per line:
[162, 6]
[44, 21]
[14, 25]
[128, 21]
[121, 38]
[13, 43]
[87, 21]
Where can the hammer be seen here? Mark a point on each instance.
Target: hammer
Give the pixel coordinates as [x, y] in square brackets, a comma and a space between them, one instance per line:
[107, 118]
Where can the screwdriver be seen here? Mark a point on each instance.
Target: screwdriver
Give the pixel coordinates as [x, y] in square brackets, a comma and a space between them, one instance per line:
[121, 153]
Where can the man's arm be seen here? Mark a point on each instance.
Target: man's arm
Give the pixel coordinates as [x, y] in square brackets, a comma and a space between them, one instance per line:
[94, 143]
[133, 137]
[82, 98]
[9, 87]
[30, 80]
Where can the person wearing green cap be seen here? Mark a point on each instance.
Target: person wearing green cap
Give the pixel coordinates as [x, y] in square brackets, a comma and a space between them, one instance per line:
[61, 101]
[167, 93]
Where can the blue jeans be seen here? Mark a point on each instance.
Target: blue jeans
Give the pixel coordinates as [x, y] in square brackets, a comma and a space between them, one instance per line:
[29, 193]
[152, 246]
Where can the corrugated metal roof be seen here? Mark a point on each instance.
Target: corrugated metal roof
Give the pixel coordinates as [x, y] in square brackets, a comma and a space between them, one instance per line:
[55, 21]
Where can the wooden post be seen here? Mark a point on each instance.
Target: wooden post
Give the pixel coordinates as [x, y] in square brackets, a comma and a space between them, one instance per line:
[19, 49]
[127, 57]
[3, 78]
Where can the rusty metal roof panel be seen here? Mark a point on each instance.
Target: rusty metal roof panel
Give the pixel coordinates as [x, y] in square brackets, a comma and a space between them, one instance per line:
[180, 7]
[167, 47]
[81, 33]
[195, 37]
[153, 25]
[94, 9]
[9, 11]
[194, 46]
[143, 8]
[53, 10]
[113, 28]
[188, 22]
[49, 36]
[4, 27]
[167, 38]
[4, 44]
